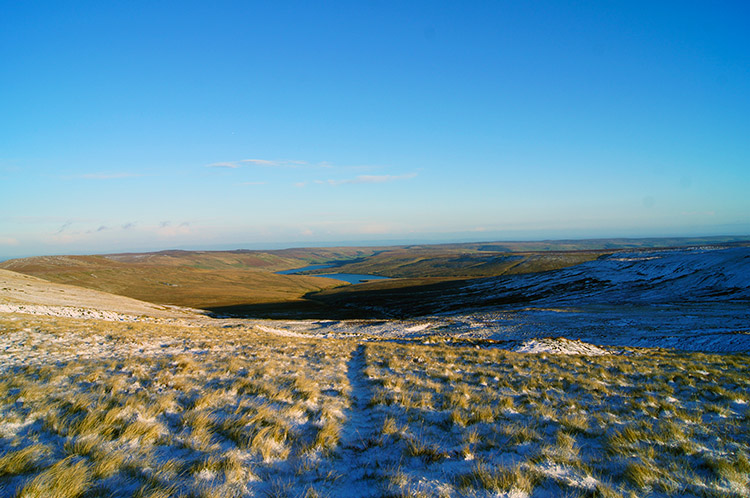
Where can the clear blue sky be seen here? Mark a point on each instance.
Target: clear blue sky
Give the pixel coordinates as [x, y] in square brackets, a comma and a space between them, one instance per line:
[129, 125]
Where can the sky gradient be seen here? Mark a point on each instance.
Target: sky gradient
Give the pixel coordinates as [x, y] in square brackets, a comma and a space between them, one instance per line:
[133, 126]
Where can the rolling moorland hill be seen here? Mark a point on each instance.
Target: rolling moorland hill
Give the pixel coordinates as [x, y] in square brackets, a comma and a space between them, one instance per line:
[216, 279]
[677, 276]
[25, 293]
[183, 278]
[99, 403]
[487, 259]
[424, 278]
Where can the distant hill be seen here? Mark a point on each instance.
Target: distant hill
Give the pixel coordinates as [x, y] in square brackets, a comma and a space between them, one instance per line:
[635, 278]
[246, 282]
[197, 279]
[20, 290]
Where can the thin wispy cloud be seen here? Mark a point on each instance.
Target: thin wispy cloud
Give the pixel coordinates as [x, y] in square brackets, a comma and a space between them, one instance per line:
[698, 213]
[253, 183]
[258, 162]
[168, 229]
[264, 162]
[371, 179]
[65, 226]
[38, 219]
[108, 176]
[223, 165]
[8, 241]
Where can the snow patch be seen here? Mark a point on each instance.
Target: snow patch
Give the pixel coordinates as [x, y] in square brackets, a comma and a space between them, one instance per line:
[280, 332]
[69, 312]
[418, 328]
[559, 345]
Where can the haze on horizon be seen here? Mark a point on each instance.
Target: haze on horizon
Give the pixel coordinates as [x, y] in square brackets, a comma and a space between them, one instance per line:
[140, 126]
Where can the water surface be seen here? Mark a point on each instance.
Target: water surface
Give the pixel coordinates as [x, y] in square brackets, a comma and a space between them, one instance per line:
[352, 278]
[294, 271]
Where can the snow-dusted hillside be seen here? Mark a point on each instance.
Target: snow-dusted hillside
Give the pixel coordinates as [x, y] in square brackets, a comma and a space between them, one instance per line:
[692, 299]
[653, 277]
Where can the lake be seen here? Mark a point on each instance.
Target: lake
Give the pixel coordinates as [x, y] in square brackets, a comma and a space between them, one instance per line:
[300, 270]
[352, 278]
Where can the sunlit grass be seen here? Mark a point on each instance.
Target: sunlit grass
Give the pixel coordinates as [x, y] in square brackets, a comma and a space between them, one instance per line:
[156, 409]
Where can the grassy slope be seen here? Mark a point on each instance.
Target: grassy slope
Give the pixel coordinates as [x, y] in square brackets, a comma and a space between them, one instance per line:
[94, 408]
[244, 282]
[448, 262]
[24, 290]
[488, 259]
[194, 279]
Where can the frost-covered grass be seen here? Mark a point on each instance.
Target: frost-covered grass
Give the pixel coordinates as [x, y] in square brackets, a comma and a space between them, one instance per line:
[91, 408]
[223, 416]
[643, 422]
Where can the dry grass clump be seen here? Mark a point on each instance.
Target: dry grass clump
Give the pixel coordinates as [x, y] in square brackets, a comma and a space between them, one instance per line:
[23, 460]
[99, 408]
[500, 478]
[68, 478]
[176, 411]
[635, 419]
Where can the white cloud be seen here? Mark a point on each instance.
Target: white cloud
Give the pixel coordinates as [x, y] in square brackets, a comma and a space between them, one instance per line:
[223, 165]
[376, 229]
[698, 213]
[8, 241]
[260, 162]
[257, 162]
[266, 162]
[108, 176]
[167, 229]
[371, 179]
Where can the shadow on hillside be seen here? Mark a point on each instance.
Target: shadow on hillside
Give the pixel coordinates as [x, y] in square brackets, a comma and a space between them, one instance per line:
[297, 310]
[388, 301]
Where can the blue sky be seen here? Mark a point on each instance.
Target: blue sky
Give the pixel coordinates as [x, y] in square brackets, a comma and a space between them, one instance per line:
[153, 125]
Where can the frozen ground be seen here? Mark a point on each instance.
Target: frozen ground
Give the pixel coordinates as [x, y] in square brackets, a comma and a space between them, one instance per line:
[155, 409]
[102, 397]
[691, 299]
[710, 327]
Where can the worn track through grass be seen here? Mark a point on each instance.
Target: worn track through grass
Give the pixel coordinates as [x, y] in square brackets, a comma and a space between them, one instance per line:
[160, 409]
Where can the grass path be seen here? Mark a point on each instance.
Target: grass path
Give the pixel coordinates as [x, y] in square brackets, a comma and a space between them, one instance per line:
[360, 453]
[94, 408]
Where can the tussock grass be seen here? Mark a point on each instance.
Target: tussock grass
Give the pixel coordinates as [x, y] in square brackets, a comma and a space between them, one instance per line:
[499, 478]
[23, 460]
[570, 421]
[430, 453]
[167, 410]
[328, 436]
[68, 478]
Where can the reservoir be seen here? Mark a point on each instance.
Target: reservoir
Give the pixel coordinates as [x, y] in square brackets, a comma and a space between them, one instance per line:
[300, 270]
[352, 278]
